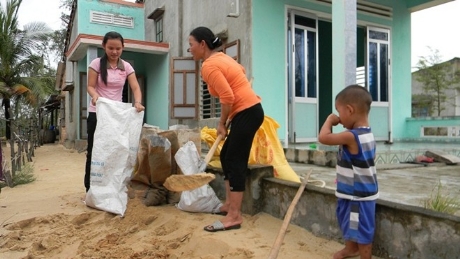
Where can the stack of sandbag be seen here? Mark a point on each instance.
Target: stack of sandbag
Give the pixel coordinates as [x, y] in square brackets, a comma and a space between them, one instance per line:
[155, 162]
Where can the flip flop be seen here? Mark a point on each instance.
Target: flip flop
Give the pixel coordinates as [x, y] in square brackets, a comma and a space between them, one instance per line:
[218, 226]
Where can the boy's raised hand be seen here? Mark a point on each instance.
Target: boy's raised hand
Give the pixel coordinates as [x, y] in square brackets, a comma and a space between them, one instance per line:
[333, 119]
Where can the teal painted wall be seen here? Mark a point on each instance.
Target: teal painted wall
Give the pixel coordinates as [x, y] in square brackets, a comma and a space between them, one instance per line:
[413, 3]
[378, 120]
[157, 93]
[269, 56]
[269, 59]
[138, 60]
[82, 66]
[86, 27]
[401, 68]
[414, 125]
[155, 70]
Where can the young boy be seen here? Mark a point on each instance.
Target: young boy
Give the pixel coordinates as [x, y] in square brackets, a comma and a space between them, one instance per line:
[357, 187]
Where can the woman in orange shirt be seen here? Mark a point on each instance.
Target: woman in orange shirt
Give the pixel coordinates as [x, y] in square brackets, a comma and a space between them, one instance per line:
[227, 80]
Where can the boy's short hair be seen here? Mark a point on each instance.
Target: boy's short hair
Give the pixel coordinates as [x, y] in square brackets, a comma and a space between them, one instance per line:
[356, 95]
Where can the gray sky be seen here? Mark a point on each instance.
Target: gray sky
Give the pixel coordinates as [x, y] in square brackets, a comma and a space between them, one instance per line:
[37, 10]
[434, 27]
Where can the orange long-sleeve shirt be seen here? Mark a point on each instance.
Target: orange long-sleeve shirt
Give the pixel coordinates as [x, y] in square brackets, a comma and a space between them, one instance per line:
[226, 79]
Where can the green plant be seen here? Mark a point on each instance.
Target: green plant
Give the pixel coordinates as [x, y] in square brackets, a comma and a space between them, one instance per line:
[26, 175]
[441, 201]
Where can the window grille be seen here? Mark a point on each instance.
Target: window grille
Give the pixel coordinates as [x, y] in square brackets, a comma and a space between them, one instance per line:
[159, 29]
[184, 88]
[112, 19]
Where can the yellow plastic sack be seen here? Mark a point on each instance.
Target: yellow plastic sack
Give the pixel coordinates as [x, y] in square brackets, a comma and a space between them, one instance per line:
[266, 149]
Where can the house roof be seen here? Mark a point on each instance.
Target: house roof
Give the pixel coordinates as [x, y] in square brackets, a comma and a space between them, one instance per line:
[418, 5]
[78, 49]
[454, 62]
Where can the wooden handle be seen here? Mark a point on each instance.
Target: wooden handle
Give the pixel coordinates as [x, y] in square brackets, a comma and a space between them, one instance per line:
[211, 152]
[287, 218]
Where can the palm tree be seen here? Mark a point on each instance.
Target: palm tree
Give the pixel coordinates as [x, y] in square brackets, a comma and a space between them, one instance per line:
[24, 78]
[21, 68]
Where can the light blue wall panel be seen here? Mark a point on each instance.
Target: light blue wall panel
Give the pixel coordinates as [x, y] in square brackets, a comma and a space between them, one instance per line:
[378, 120]
[269, 56]
[157, 90]
[269, 59]
[306, 126]
[86, 27]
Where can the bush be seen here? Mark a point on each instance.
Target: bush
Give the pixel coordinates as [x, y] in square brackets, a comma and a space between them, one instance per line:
[26, 175]
[441, 201]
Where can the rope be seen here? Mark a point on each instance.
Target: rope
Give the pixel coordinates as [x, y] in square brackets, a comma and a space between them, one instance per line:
[319, 183]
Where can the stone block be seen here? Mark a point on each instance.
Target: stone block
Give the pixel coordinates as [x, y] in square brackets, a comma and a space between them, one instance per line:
[443, 157]
[319, 157]
[289, 153]
[252, 197]
[303, 156]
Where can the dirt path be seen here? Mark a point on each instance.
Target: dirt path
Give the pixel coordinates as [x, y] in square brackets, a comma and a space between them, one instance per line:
[46, 219]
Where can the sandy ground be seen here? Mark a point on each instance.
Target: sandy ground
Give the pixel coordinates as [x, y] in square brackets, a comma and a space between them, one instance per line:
[47, 219]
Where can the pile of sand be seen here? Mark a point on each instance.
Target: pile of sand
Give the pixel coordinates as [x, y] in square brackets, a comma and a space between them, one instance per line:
[46, 219]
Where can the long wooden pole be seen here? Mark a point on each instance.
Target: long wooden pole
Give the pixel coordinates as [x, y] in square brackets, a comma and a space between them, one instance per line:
[287, 218]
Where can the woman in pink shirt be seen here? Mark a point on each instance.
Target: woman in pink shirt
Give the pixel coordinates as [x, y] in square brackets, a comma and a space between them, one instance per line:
[227, 80]
[106, 77]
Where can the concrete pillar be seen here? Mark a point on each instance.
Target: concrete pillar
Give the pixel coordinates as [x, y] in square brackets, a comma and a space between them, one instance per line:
[91, 53]
[344, 45]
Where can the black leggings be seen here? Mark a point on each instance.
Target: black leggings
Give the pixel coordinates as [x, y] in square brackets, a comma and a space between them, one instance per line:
[91, 127]
[234, 155]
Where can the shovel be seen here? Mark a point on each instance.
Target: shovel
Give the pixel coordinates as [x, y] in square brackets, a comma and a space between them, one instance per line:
[179, 182]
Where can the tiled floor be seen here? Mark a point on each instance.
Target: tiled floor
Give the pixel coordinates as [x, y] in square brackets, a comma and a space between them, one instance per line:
[406, 184]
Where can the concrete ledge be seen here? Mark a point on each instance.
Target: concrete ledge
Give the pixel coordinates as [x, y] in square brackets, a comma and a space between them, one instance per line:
[311, 156]
[252, 200]
[402, 231]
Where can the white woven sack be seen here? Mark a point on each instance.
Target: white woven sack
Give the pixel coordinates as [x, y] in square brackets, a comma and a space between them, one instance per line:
[116, 141]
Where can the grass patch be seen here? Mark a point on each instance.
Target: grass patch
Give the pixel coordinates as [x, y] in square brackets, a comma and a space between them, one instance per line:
[25, 176]
[440, 200]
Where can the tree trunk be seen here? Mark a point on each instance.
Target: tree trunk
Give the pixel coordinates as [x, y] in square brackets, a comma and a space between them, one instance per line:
[6, 107]
[10, 129]
[439, 104]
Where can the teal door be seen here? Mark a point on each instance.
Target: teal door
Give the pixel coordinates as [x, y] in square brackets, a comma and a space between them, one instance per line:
[302, 77]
